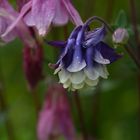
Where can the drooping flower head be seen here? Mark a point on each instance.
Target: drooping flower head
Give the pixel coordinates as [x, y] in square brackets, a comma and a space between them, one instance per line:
[42, 13]
[33, 53]
[55, 118]
[84, 57]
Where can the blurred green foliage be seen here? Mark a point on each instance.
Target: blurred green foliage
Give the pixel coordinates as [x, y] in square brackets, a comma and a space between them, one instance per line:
[110, 111]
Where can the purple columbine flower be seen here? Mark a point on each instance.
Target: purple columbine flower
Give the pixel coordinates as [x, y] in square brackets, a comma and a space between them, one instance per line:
[55, 118]
[43, 13]
[84, 57]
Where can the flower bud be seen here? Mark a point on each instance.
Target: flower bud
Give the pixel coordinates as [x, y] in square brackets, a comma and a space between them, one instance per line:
[120, 36]
[32, 63]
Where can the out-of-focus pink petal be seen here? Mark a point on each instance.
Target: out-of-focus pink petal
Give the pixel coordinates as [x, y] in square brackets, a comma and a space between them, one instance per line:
[25, 35]
[21, 3]
[41, 15]
[5, 5]
[10, 36]
[4, 23]
[55, 118]
[64, 118]
[47, 116]
[75, 17]
[8, 31]
[7, 14]
[61, 15]
[45, 124]
[16, 21]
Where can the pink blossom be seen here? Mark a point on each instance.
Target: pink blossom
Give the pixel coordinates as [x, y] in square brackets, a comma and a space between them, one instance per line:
[20, 3]
[43, 13]
[55, 118]
[33, 53]
[7, 16]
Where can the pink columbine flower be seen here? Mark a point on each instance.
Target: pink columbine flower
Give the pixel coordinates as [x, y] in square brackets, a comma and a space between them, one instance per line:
[43, 13]
[21, 3]
[7, 16]
[55, 118]
[33, 53]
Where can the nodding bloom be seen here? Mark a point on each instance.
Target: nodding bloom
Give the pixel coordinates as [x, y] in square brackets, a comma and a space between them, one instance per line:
[43, 13]
[84, 57]
[33, 53]
[55, 118]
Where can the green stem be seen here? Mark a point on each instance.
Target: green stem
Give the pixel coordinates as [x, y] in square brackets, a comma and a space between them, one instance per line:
[96, 18]
[110, 7]
[96, 107]
[133, 55]
[3, 109]
[136, 34]
[81, 116]
[36, 101]
[134, 23]
[8, 125]
[89, 8]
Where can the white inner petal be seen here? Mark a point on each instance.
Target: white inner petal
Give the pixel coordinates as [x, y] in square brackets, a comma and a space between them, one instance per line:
[77, 77]
[72, 89]
[91, 82]
[102, 71]
[76, 65]
[91, 73]
[63, 76]
[67, 84]
[99, 58]
[78, 86]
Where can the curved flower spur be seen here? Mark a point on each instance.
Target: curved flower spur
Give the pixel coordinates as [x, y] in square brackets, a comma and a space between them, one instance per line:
[84, 56]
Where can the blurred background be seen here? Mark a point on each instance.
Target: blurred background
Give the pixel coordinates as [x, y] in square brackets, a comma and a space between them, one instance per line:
[111, 111]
